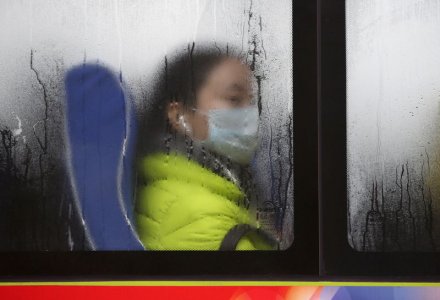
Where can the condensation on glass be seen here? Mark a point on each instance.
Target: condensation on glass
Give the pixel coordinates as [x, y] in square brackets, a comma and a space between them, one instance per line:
[43, 39]
[393, 96]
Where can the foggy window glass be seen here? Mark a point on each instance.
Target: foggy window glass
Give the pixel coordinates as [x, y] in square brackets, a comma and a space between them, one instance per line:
[393, 87]
[146, 125]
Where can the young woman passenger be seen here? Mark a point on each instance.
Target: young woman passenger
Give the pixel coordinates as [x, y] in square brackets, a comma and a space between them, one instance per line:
[201, 133]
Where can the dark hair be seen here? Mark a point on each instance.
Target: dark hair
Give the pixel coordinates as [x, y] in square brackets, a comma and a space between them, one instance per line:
[179, 78]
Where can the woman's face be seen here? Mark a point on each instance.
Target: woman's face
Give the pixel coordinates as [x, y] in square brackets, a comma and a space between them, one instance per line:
[227, 86]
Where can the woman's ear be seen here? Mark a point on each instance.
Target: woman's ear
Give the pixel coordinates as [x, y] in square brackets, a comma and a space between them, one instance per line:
[174, 112]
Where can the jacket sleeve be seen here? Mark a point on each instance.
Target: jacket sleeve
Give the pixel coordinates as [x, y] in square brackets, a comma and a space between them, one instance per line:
[254, 241]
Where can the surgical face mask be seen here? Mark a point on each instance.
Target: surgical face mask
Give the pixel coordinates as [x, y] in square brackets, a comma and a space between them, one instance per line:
[233, 133]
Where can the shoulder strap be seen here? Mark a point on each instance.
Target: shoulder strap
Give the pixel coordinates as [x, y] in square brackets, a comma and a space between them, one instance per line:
[234, 235]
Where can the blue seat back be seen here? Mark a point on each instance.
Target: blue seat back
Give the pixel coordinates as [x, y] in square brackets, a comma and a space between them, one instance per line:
[101, 141]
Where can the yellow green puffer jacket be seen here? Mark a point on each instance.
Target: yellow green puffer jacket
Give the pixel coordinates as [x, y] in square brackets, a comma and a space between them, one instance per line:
[187, 207]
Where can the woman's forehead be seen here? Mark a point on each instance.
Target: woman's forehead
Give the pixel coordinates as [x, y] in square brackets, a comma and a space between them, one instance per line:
[232, 75]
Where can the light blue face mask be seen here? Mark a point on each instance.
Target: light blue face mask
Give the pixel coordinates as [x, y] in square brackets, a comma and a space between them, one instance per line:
[233, 133]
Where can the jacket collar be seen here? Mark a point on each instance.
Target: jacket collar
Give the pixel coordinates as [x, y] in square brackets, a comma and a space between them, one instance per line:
[160, 166]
